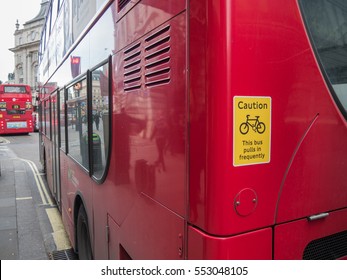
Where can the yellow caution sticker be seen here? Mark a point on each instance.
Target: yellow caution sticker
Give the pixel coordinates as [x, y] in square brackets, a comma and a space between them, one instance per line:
[252, 130]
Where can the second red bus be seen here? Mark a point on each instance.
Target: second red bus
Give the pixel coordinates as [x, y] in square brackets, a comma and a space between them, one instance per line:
[15, 109]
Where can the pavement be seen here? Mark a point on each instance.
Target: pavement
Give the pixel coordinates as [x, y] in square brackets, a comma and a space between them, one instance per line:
[30, 222]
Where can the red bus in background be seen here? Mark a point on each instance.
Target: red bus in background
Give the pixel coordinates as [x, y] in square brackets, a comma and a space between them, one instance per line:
[15, 109]
[197, 129]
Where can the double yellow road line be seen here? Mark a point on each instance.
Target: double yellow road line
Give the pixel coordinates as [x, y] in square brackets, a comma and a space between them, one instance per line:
[59, 234]
[45, 196]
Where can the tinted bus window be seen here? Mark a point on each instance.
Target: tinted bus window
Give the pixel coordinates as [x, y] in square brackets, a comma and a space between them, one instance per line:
[327, 23]
[46, 118]
[55, 8]
[62, 120]
[100, 118]
[77, 112]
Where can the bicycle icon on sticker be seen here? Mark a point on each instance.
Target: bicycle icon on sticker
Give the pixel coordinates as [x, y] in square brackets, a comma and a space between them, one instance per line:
[255, 124]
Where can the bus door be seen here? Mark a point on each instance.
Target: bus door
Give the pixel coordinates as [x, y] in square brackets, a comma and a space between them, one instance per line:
[55, 148]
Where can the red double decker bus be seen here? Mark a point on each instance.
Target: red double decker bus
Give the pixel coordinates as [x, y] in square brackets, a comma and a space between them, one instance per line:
[15, 109]
[197, 129]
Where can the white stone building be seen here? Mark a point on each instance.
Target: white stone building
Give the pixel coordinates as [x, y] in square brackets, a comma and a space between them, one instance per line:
[26, 49]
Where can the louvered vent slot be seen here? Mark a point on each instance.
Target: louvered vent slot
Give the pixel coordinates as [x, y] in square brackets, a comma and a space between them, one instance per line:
[157, 58]
[122, 4]
[330, 247]
[132, 68]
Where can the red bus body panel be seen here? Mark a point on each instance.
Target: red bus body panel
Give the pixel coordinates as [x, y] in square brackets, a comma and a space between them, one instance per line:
[255, 245]
[142, 204]
[305, 231]
[307, 129]
[261, 49]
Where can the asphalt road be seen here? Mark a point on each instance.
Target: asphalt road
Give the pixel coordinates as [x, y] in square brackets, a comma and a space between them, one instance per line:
[25, 146]
[30, 223]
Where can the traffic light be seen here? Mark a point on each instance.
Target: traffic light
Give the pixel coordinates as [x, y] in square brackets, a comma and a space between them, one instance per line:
[75, 66]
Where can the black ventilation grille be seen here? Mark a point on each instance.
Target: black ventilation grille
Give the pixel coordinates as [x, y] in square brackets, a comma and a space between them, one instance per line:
[331, 247]
[132, 68]
[148, 63]
[157, 58]
[68, 254]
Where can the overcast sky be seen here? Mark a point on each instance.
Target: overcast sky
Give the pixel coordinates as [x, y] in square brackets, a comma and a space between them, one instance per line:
[23, 10]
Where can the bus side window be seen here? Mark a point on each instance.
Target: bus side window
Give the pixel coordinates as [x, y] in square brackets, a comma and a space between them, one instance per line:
[100, 119]
[77, 122]
[62, 120]
[47, 118]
